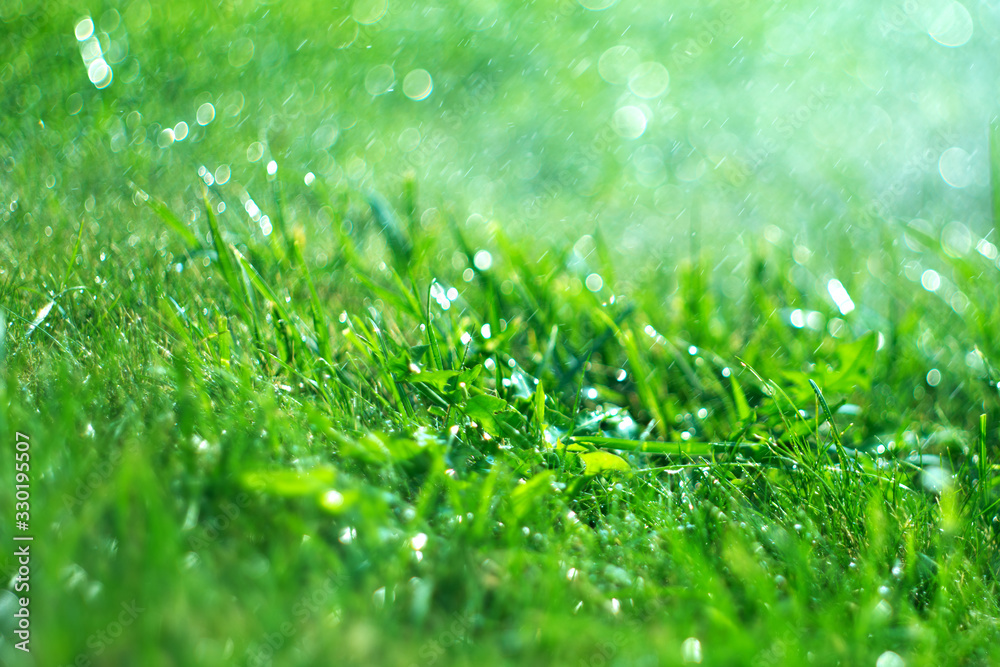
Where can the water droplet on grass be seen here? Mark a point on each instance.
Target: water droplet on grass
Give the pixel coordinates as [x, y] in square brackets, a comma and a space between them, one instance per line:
[380, 80]
[84, 28]
[367, 12]
[483, 260]
[629, 122]
[953, 26]
[691, 651]
[100, 74]
[418, 85]
[241, 52]
[840, 296]
[617, 63]
[955, 166]
[649, 80]
[165, 138]
[930, 280]
[890, 659]
[255, 151]
[206, 113]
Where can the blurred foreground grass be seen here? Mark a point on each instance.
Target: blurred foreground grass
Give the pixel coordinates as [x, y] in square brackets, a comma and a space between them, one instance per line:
[315, 404]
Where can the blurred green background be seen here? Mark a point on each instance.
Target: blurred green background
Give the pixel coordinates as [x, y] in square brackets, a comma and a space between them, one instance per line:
[654, 120]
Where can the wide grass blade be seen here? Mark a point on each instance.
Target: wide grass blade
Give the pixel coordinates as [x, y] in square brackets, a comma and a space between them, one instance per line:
[395, 236]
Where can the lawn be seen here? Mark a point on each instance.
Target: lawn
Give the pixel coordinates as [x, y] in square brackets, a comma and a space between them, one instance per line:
[582, 333]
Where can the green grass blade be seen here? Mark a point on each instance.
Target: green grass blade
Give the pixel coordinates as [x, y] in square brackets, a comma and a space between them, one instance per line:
[539, 416]
[236, 292]
[261, 286]
[388, 222]
[72, 259]
[320, 323]
[167, 216]
[984, 466]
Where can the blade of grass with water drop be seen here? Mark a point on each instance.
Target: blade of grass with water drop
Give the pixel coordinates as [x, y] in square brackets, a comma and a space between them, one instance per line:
[286, 324]
[40, 316]
[388, 222]
[432, 343]
[829, 418]
[236, 291]
[261, 285]
[983, 464]
[641, 373]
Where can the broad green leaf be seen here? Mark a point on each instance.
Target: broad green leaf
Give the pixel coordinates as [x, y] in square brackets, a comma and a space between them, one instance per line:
[856, 357]
[686, 448]
[438, 379]
[599, 462]
[482, 408]
[290, 483]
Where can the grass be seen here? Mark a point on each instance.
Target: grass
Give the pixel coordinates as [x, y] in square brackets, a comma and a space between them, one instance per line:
[381, 434]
